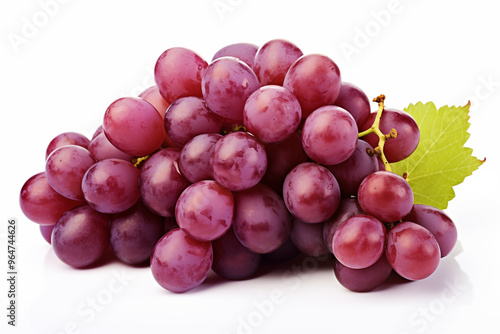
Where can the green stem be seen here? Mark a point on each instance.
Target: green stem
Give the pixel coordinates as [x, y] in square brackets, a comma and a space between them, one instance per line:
[375, 128]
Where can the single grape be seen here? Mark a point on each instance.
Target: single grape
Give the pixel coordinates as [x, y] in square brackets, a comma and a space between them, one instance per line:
[351, 172]
[239, 161]
[329, 135]
[180, 263]
[308, 238]
[438, 223]
[355, 101]
[363, 280]
[408, 134]
[243, 51]
[67, 138]
[134, 126]
[311, 193]
[272, 114]
[412, 251]
[359, 241]
[226, 85]
[281, 158]
[81, 236]
[205, 210]
[111, 185]
[178, 73]
[101, 149]
[315, 80]
[386, 196]
[153, 96]
[161, 182]
[232, 260]
[188, 117]
[46, 231]
[134, 234]
[42, 204]
[348, 207]
[65, 168]
[273, 59]
[261, 221]
[97, 131]
[194, 161]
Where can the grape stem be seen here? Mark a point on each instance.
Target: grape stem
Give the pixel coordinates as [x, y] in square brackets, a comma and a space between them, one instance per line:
[137, 161]
[375, 128]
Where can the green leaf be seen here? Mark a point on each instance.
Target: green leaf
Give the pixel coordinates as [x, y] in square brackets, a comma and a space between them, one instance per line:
[440, 161]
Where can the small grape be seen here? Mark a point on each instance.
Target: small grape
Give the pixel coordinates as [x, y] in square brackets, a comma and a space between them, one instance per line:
[385, 195]
[239, 161]
[315, 80]
[180, 263]
[81, 236]
[412, 251]
[359, 241]
[311, 193]
[243, 51]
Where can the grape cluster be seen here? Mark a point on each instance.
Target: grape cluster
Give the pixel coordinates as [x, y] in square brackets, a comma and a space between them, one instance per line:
[260, 155]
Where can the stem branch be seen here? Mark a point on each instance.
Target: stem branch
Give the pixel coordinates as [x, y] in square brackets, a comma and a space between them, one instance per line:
[375, 128]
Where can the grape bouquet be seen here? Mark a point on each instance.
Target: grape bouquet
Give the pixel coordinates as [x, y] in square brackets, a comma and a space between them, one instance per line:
[259, 155]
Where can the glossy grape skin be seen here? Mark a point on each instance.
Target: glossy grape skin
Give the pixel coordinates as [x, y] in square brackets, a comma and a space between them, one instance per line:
[188, 117]
[272, 114]
[281, 158]
[134, 126]
[205, 210]
[42, 204]
[348, 207]
[408, 134]
[386, 196]
[308, 238]
[355, 101]
[134, 234]
[111, 185]
[65, 168]
[194, 160]
[311, 193]
[351, 172]
[329, 135]
[232, 260]
[359, 241]
[101, 149]
[178, 72]
[261, 222]
[239, 161]
[180, 263]
[81, 236]
[243, 51]
[153, 96]
[46, 231]
[438, 223]
[161, 182]
[273, 59]
[412, 251]
[226, 85]
[363, 280]
[315, 80]
[67, 138]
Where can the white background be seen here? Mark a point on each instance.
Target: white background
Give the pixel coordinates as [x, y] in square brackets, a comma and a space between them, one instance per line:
[82, 55]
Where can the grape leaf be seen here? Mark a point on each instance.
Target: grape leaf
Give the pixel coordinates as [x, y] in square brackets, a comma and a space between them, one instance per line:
[440, 161]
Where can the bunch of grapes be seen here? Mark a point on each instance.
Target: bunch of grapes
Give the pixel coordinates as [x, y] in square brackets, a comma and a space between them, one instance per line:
[260, 155]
